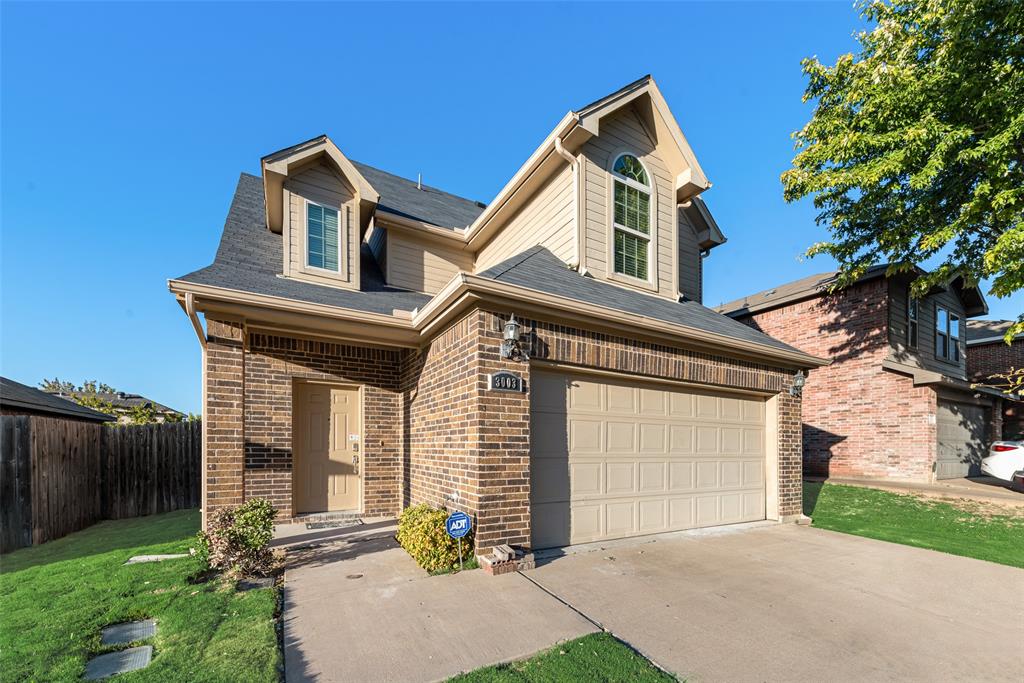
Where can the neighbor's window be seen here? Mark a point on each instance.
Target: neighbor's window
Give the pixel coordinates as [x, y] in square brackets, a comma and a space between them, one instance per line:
[912, 305]
[321, 237]
[947, 335]
[631, 224]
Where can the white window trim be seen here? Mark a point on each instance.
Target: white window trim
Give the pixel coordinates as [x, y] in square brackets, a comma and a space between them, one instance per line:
[305, 238]
[652, 238]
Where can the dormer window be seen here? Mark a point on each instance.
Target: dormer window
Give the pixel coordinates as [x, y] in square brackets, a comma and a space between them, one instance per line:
[322, 244]
[631, 222]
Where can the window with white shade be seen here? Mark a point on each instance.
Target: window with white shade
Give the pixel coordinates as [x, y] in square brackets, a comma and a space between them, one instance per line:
[322, 243]
[631, 220]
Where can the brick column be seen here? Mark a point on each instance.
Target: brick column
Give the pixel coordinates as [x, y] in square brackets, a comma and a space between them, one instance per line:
[222, 415]
[503, 446]
[790, 452]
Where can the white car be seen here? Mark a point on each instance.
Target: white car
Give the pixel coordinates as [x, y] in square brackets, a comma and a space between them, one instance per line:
[1004, 459]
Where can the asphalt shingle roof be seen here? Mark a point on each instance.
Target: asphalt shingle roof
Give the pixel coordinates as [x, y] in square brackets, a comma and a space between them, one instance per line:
[120, 399]
[18, 396]
[250, 256]
[429, 204]
[986, 329]
[812, 285]
[540, 270]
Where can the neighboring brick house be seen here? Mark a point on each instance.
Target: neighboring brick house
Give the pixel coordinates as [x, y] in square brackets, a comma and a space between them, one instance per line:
[988, 354]
[896, 401]
[360, 352]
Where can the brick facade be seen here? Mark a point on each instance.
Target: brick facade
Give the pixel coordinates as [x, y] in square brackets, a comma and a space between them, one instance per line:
[859, 420]
[431, 427]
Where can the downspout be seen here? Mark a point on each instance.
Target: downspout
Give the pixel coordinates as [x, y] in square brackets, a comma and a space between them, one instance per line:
[574, 165]
[190, 309]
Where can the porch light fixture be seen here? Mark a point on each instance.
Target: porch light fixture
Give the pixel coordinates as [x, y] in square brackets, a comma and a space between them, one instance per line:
[510, 347]
[799, 379]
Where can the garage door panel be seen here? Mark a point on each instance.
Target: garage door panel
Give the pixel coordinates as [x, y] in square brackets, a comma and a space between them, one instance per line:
[642, 458]
[621, 436]
[961, 437]
[621, 478]
[548, 392]
[585, 436]
[652, 477]
[652, 438]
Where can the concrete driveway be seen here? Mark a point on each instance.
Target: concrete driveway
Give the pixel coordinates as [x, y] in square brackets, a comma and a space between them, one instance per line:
[788, 603]
[357, 608]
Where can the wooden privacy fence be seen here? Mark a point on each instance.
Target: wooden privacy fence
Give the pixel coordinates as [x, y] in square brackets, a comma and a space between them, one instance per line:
[58, 476]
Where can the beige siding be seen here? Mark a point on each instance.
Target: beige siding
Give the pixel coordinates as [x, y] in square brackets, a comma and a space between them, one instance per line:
[421, 266]
[624, 133]
[689, 260]
[548, 219]
[924, 356]
[322, 184]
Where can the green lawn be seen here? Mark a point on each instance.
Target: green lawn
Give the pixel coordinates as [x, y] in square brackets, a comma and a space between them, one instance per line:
[968, 530]
[597, 657]
[55, 598]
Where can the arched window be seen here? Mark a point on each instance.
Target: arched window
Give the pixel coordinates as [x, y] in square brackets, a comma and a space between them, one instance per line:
[631, 220]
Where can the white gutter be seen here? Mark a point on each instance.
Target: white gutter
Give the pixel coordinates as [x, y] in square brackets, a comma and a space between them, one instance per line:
[574, 263]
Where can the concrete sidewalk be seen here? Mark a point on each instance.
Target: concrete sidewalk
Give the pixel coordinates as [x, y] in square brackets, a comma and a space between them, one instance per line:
[357, 608]
[789, 603]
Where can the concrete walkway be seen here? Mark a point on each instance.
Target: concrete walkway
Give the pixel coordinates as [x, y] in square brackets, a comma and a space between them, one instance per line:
[357, 608]
[987, 490]
[789, 603]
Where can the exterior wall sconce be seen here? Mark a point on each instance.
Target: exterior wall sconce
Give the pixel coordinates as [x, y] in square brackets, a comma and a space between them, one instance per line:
[799, 379]
[510, 347]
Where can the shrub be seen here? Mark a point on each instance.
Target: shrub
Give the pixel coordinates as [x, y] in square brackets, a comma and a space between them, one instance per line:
[238, 539]
[421, 532]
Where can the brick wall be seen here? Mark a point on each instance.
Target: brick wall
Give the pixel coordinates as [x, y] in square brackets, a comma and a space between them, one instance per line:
[985, 360]
[222, 416]
[858, 419]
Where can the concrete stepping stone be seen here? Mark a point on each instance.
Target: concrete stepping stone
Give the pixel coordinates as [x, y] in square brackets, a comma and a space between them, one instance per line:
[128, 632]
[253, 584]
[138, 559]
[114, 663]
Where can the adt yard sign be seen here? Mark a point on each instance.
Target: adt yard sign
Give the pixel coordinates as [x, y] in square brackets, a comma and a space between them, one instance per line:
[458, 524]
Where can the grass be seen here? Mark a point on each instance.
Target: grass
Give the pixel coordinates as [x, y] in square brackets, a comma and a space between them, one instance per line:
[597, 657]
[55, 598]
[467, 563]
[970, 530]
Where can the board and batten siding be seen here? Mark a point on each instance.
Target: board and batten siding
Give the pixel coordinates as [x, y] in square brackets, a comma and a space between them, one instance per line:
[548, 219]
[624, 134]
[422, 266]
[321, 184]
[924, 356]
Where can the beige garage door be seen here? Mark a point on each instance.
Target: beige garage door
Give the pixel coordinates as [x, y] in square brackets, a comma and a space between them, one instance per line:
[610, 459]
[961, 440]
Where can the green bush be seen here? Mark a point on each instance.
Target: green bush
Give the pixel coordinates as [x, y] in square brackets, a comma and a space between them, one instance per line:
[238, 539]
[421, 532]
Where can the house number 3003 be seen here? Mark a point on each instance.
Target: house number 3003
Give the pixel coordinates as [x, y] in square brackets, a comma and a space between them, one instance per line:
[505, 381]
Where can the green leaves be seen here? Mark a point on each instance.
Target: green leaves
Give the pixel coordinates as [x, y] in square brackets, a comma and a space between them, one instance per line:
[915, 148]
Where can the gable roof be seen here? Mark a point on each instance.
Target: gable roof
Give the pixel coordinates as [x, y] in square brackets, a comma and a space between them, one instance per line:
[16, 396]
[119, 399]
[538, 269]
[249, 259]
[988, 331]
[818, 285]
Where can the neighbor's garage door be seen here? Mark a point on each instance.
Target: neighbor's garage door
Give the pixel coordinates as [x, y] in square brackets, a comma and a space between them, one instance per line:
[616, 458]
[961, 435]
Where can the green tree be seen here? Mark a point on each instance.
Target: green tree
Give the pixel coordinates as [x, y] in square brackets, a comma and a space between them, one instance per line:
[915, 148]
[57, 386]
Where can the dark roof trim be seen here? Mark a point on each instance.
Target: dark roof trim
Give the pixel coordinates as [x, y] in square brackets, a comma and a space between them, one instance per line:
[18, 396]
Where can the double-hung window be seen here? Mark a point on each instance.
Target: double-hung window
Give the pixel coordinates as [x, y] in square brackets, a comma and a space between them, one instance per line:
[631, 222]
[947, 335]
[322, 244]
[912, 313]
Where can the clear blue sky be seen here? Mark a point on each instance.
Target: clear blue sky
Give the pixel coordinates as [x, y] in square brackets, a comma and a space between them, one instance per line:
[125, 126]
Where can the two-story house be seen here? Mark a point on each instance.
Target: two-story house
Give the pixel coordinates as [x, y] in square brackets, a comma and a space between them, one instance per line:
[896, 401]
[542, 362]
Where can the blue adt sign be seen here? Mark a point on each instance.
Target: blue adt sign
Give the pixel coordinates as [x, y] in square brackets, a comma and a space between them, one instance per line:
[458, 524]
